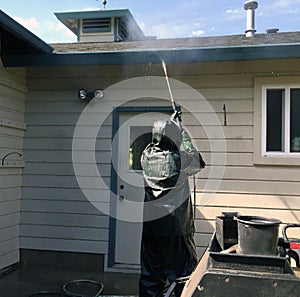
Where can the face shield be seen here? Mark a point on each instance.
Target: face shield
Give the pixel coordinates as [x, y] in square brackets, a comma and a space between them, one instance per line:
[166, 134]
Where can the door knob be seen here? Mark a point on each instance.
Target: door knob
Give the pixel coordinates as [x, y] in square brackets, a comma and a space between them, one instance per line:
[121, 198]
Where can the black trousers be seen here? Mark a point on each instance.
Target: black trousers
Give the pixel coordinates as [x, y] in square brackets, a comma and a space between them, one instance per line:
[165, 258]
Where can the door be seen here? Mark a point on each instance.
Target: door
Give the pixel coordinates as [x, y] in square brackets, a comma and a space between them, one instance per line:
[135, 132]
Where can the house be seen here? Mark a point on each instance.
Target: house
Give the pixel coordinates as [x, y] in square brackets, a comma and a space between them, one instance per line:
[69, 167]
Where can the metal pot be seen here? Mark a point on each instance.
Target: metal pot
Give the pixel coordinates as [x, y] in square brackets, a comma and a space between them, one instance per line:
[257, 235]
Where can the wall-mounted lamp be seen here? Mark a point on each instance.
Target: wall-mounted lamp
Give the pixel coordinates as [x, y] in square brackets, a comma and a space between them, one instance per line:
[85, 95]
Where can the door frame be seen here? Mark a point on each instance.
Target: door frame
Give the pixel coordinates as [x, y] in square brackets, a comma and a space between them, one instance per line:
[113, 184]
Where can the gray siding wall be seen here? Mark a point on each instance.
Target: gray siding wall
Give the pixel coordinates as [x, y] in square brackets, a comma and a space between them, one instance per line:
[56, 215]
[12, 96]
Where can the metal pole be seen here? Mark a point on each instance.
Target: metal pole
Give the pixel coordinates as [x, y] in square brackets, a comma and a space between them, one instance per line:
[170, 91]
[179, 123]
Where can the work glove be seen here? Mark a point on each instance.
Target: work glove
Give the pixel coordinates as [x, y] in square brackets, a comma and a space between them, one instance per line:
[188, 146]
[176, 115]
[186, 142]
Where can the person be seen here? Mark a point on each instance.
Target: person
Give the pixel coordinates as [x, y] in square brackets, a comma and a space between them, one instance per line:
[167, 248]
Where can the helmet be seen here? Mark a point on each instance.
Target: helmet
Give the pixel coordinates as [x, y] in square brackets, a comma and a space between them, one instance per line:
[166, 134]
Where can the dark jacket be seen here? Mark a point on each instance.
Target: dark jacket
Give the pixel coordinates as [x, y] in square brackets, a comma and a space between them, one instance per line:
[168, 208]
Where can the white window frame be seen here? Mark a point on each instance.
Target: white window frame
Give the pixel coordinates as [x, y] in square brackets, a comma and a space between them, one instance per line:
[261, 155]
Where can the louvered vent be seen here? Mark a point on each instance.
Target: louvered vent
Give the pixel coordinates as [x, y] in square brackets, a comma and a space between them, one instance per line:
[96, 25]
[102, 25]
[124, 32]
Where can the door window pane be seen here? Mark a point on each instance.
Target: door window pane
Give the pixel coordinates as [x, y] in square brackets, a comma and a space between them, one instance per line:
[275, 120]
[295, 120]
[140, 137]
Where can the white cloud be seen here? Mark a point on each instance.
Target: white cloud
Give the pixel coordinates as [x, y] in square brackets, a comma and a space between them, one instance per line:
[58, 27]
[232, 11]
[280, 9]
[87, 8]
[175, 29]
[198, 33]
[235, 13]
[141, 23]
[31, 24]
[159, 30]
[91, 8]
[48, 30]
[52, 28]
[279, 4]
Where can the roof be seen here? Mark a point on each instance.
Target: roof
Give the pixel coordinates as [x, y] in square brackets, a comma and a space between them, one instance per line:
[283, 45]
[267, 39]
[15, 39]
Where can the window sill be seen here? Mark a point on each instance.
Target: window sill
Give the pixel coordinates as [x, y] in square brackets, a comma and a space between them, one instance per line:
[278, 160]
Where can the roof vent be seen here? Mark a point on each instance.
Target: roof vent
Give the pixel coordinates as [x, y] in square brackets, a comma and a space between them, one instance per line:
[102, 25]
[96, 25]
[272, 30]
[250, 6]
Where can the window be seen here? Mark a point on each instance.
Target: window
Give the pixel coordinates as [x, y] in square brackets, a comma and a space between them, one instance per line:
[295, 121]
[281, 110]
[275, 124]
[140, 137]
[277, 121]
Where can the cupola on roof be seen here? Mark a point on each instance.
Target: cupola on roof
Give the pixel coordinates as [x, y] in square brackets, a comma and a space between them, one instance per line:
[102, 25]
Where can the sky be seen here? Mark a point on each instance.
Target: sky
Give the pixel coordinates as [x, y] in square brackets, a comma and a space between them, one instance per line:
[163, 19]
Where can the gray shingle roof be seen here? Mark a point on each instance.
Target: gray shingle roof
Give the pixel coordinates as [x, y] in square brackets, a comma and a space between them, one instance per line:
[179, 43]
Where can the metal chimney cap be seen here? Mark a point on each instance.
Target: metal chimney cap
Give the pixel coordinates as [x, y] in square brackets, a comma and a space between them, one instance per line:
[272, 30]
[250, 5]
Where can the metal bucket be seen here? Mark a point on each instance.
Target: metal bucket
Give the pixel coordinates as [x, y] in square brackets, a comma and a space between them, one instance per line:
[257, 235]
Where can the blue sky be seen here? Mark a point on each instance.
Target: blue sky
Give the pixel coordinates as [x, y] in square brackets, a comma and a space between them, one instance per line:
[164, 18]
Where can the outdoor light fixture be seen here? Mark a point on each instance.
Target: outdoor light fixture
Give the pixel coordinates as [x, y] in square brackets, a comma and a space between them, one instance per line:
[98, 94]
[85, 95]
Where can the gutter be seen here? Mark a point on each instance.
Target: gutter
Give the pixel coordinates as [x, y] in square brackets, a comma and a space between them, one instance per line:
[187, 55]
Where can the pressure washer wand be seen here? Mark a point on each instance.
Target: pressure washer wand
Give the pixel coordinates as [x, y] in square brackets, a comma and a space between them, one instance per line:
[170, 92]
[180, 126]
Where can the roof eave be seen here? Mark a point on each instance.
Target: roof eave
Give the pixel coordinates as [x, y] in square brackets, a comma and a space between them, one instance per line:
[93, 14]
[24, 35]
[213, 54]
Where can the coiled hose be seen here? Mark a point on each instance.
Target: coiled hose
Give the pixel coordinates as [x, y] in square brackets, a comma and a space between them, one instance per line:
[68, 290]
[47, 293]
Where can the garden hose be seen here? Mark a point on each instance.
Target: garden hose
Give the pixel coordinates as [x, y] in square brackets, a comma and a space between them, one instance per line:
[67, 290]
[48, 293]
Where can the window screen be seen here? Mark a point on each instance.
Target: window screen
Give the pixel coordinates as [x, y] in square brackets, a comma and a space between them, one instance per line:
[275, 120]
[295, 120]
